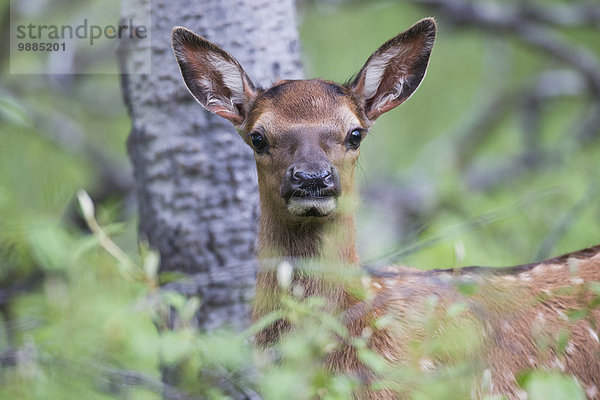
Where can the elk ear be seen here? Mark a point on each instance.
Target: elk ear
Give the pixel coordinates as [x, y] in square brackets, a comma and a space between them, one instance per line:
[395, 71]
[213, 77]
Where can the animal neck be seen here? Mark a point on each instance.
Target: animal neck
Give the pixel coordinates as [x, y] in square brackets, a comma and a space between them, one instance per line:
[328, 242]
[327, 239]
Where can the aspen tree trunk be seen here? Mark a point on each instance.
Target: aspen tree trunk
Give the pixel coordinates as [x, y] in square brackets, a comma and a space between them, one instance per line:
[195, 178]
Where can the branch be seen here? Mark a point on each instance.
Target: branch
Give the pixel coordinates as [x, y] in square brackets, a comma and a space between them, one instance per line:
[513, 21]
[570, 217]
[571, 15]
[529, 100]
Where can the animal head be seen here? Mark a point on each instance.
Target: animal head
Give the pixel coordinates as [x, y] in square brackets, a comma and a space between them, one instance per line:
[305, 134]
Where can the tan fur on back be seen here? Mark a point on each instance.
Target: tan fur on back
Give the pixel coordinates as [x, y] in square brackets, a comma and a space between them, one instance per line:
[518, 318]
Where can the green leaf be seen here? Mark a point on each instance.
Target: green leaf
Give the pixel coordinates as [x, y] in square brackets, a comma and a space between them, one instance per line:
[175, 346]
[594, 287]
[174, 299]
[551, 386]
[577, 314]
[170, 276]
[189, 309]
[467, 288]
[224, 348]
[14, 113]
[265, 322]
[383, 321]
[562, 341]
[372, 360]
[455, 309]
[50, 245]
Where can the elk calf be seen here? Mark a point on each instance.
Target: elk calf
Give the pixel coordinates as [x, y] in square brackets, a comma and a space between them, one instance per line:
[306, 136]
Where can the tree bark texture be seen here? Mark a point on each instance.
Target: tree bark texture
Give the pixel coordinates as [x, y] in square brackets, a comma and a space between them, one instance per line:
[195, 178]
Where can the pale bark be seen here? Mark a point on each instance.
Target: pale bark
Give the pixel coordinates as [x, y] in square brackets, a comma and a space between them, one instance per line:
[196, 180]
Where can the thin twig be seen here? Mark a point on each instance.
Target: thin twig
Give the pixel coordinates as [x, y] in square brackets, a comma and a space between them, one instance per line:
[562, 226]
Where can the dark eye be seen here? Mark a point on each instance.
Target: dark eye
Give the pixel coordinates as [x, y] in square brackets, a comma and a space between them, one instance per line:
[354, 138]
[258, 142]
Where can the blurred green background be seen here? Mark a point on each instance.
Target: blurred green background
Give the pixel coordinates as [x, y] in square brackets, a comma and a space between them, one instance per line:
[454, 170]
[481, 167]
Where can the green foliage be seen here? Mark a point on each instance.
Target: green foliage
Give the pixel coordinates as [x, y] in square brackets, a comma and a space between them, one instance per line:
[416, 145]
[81, 319]
[300, 371]
[551, 386]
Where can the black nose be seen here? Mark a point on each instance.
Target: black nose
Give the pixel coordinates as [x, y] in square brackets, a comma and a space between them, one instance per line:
[302, 180]
[311, 180]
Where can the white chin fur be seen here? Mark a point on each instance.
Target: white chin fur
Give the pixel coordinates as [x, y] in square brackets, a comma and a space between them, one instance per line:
[302, 206]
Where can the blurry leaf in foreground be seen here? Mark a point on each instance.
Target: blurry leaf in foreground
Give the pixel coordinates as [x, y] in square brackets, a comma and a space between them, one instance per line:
[176, 346]
[594, 287]
[173, 299]
[372, 359]
[188, 312]
[467, 288]
[457, 308]
[50, 245]
[14, 113]
[225, 348]
[551, 386]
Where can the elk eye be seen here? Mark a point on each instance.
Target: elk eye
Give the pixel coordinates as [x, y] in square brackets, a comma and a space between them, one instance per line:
[354, 138]
[258, 142]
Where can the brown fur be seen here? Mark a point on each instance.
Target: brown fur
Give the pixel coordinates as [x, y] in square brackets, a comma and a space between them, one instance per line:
[507, 303]
[513, 320]
[517, 318]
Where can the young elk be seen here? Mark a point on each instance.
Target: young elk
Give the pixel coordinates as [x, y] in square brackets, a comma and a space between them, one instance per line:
[306, 136]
